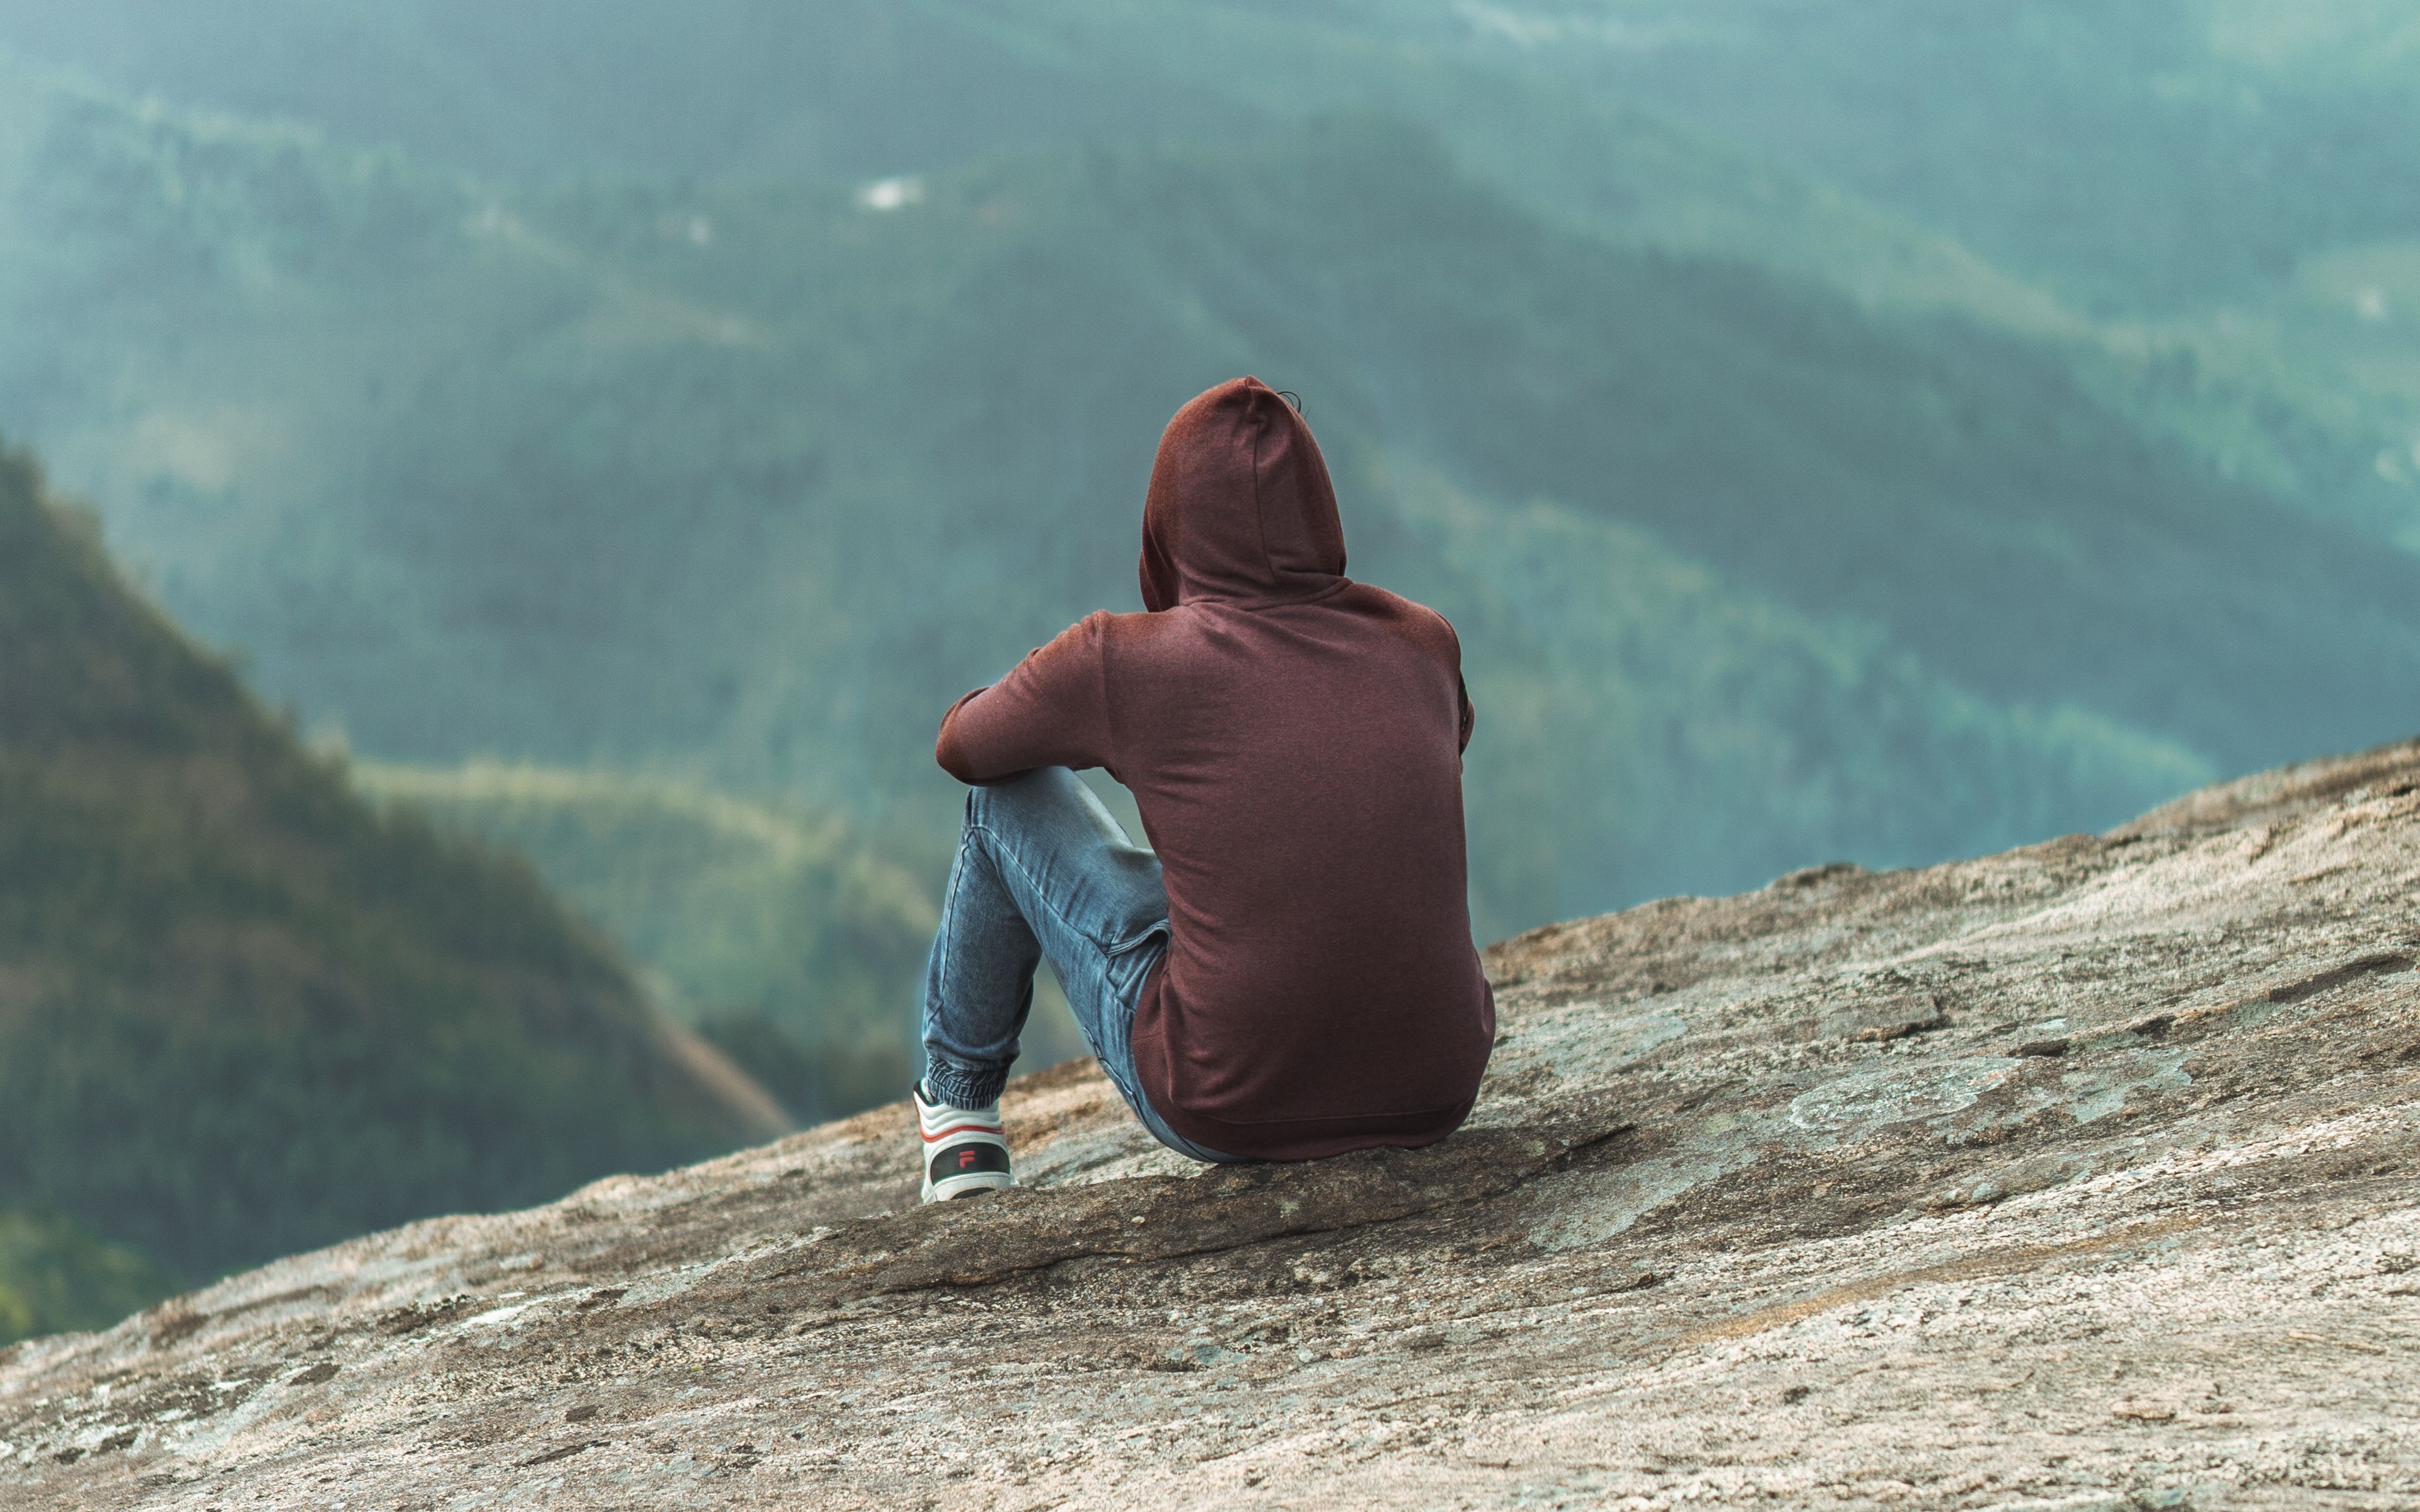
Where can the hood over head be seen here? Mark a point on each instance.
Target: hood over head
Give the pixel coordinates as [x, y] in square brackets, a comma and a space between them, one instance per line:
[1240, 507]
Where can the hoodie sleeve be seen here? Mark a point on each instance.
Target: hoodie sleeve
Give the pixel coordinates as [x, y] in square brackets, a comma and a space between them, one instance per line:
[1053, 710]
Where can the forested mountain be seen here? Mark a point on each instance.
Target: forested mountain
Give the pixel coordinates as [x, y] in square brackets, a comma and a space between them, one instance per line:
[758, 475]
[2159, 152]
[55, 1277]
[785, 936]
[2163, 150]
[239, 1012]
[2216, 197]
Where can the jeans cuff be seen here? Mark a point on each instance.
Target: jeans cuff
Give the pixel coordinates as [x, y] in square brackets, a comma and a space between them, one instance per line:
[961, 1089]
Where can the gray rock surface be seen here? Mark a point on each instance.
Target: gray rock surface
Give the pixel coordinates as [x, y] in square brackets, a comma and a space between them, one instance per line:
[2079, 1176]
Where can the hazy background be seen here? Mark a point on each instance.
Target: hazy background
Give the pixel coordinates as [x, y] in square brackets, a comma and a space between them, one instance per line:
[580, 447]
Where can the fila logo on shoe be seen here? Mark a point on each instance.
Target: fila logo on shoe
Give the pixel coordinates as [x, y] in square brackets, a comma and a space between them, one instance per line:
[964, 1150]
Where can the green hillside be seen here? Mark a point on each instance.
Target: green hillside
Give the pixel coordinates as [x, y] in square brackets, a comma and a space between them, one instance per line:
[749, 477]
[2160, 150]
[2156, 153]
[843, 89]
[788, 938]
[241, 1013]
[55, 1277]
[860, 89]
[2220, 200]
[2176, 183]
[737, 904]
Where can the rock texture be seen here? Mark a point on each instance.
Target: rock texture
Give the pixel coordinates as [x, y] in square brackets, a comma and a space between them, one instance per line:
[2078, 1176]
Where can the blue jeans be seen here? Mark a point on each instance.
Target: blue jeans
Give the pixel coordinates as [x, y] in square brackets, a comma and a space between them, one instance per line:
[1042, 873]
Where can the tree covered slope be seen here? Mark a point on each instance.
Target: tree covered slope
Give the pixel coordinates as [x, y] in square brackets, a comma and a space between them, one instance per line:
[2160, 151]
[784, 936]
[2153, 154]
[241, 1011]
[55, 1277]
[2209, 201]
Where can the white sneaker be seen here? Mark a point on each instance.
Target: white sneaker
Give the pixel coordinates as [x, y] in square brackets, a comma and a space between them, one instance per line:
[963, 1150]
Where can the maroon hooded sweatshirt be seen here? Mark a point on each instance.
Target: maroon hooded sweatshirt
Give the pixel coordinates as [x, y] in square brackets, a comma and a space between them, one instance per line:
[1293, 741]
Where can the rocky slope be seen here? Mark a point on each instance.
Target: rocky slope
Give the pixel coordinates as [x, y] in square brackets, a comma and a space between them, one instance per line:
[2076, 1176]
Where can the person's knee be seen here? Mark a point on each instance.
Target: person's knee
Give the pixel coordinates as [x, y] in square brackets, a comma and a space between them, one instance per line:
[984, 803]
[1024, 796]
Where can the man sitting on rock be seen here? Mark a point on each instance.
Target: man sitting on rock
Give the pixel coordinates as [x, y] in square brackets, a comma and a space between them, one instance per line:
[1288, 972]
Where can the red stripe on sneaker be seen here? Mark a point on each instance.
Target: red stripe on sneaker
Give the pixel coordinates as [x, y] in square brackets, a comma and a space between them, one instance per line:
[961, 1128]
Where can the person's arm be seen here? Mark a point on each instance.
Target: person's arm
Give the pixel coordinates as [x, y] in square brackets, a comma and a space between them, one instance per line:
[1469, 714]
[1053, 710]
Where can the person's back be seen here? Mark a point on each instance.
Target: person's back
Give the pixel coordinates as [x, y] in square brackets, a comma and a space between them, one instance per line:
[1306, 984]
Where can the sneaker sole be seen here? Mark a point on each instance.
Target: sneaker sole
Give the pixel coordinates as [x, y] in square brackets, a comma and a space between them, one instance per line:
[967, 1186]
